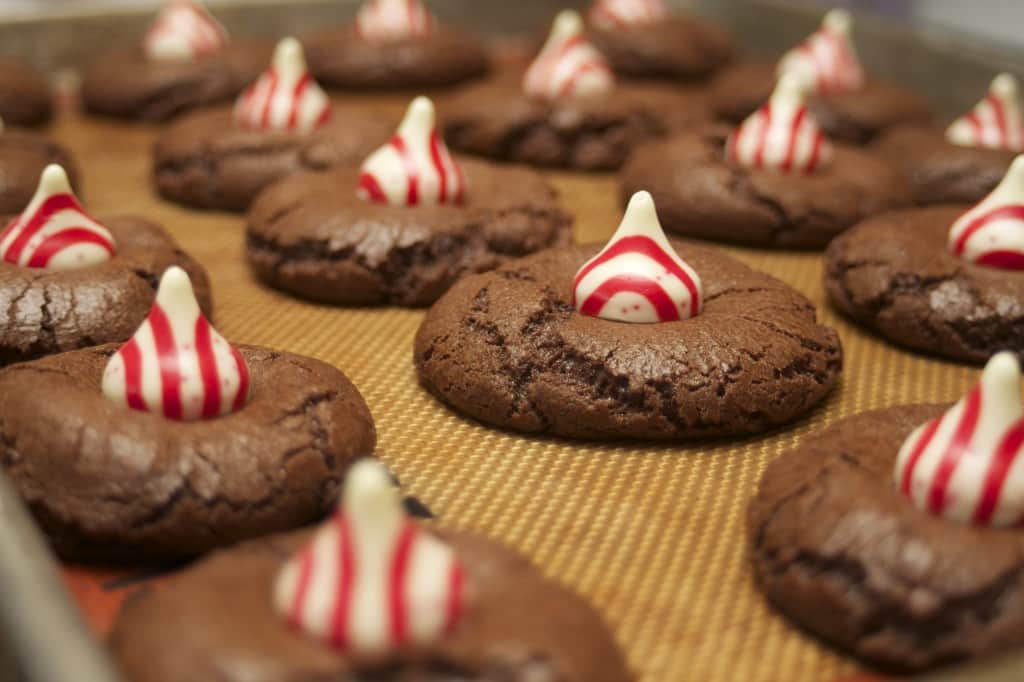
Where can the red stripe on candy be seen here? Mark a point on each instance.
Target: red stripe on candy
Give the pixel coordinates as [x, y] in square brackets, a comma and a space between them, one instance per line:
[397, 583]
[207, 369]
[957, 448]
[762, 136]
[368, 183]
[303, 581]
[435, 158]
[648, 288]
[1007, 260]
[131, 356]
[915, 455]
[1005, 456]
[64, 239]
[270, 89]
[346, 580]
[300, 89]
[794, 134]
[170, 372]
[411, 169]
[1000, 116]
[1012, 211]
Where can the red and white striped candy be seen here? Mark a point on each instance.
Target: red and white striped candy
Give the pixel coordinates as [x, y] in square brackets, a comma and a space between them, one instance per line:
[183, 31]
[371, 580]
[54, 232]
[568, 65]
[782, 135]
[827, 57]
[992, 233]
[611, 14]
[638, 276]
[415, 167]
[996, 122]
[966, 465]
[176, 364]
[285, 97]
[382, 20]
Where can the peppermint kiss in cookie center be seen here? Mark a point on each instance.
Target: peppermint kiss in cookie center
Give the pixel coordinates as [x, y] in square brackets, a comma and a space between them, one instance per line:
[371, 580]
[415, 168]
[54, 232]
[388, 20]
[176, 364]
[992, 233]
[966, 465]
[638, 277]
[568, 65]
[827, 57]
[782, 135]
[996, 122]
[184, 31]
[285, 97]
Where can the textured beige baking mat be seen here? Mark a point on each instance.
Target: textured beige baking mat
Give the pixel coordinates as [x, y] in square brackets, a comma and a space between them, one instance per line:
[654, 536]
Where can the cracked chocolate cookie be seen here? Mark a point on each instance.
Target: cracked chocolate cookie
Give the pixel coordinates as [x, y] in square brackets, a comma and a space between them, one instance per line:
[593, 133]
[508, 348]
[343, 59]
[107, 482]
[49, 311]
[221, 618]
[896, 274]
[206, 159]
[675, 47]
[938, 171]
[128, 84]
[700, 193]
[25, 98]
[837, 548]
[313, 236]
[856, 117]
[23, 157]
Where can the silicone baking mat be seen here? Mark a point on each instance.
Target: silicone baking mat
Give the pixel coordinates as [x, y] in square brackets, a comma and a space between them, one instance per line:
[654, 536]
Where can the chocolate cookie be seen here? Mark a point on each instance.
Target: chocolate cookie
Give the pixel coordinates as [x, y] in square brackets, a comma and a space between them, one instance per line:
[23, 156]
[107, 482]
[855, 117]
[508, 348]
[701, 194]
[25, 97]
[216, 620]
[895, 274]
[677, 47]
[312, 236]
[206, 160]
[127, 84]
[341, 59]
[495, 119]
[838, 549]
[938, 171]
[51, 312]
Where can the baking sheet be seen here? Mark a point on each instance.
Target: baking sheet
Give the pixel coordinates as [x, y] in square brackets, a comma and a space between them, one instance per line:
[654, 536]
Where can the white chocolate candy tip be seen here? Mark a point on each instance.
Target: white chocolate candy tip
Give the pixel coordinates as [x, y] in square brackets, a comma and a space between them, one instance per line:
[638, 277]
[401, 585]
[838, 20]
[289, 56]
[1005, 85]
[54, 180]
[965, 464]
[415, 167]
[384, 20]
[175, 290]
[568, 22]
